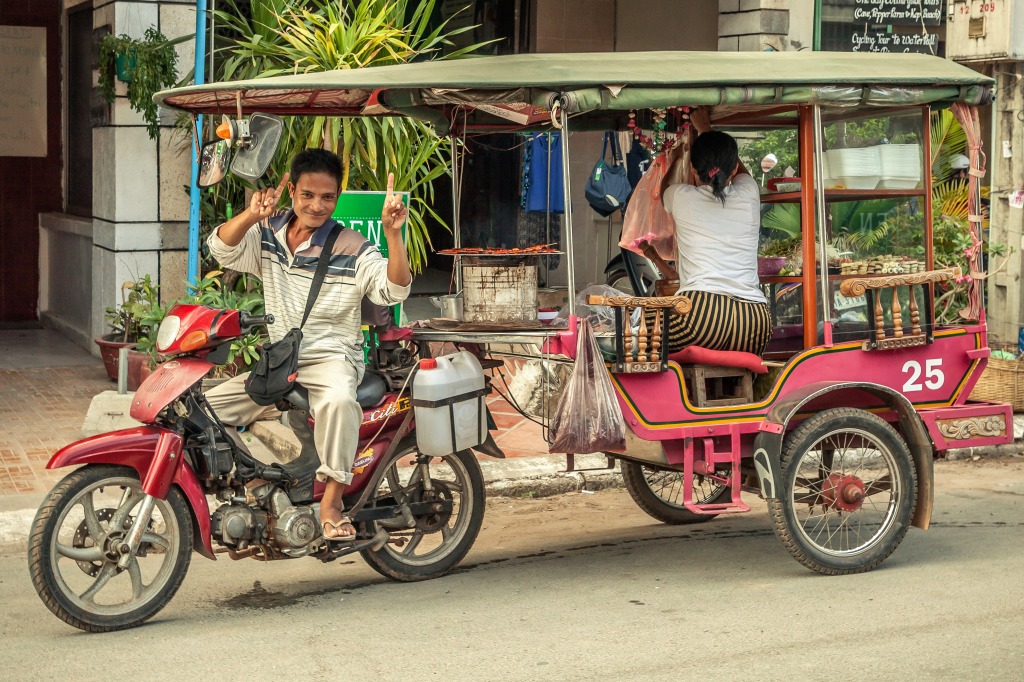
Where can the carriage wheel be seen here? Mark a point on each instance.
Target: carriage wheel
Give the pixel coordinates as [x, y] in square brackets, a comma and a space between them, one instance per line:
[848, 492]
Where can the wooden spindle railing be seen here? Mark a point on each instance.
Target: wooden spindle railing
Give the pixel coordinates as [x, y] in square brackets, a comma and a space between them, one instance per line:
[900, 338]
[646, 351]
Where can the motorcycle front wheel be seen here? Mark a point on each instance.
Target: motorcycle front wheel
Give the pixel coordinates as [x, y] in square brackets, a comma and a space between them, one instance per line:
[73, 556]
[437, 542]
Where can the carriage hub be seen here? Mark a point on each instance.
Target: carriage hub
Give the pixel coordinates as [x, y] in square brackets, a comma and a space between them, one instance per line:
[845, 493]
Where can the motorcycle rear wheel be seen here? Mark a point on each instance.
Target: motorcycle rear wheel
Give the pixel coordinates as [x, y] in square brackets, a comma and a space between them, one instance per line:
[71, 553]
[437, 543]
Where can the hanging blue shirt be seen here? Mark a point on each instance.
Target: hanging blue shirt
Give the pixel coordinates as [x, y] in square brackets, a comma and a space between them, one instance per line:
[543, 147]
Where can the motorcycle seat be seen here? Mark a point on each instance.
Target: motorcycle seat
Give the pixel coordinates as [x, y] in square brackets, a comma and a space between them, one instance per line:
[369, 393]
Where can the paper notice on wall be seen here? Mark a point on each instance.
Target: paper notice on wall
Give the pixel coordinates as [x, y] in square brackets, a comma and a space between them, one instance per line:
[23, 106]
[1017, 199]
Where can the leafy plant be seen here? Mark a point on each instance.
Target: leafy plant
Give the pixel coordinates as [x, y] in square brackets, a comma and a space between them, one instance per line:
[147, 65]
[130, 319]
[948, 139]
[244, 292]
[262, 38]
[779, 247]
[220, 290]
[782, 142]
[952, 242]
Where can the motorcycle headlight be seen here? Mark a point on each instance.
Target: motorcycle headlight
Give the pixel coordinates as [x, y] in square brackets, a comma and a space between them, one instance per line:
[168, 332]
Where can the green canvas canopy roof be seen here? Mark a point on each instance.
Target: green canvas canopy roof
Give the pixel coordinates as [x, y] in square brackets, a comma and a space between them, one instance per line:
[516, 91]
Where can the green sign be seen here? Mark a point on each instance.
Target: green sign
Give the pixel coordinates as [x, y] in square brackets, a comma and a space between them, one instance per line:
[361, 212]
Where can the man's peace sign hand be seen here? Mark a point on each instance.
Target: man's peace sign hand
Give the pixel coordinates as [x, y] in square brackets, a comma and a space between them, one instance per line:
[395, 212]
[264, 201]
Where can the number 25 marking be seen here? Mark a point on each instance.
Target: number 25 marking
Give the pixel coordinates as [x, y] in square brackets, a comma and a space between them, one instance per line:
[934, 378]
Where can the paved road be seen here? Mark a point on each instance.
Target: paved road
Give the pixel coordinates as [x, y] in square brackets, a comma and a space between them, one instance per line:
[585, 587]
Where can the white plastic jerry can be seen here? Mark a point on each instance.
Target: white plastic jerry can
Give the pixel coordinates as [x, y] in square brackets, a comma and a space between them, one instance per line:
[448, 397]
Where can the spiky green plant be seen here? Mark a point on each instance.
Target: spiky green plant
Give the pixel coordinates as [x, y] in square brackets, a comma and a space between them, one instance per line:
[948, 139]
[265, 38]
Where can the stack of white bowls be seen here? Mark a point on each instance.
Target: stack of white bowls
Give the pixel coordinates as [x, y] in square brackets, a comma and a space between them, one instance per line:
[855, 168]
[900, 166]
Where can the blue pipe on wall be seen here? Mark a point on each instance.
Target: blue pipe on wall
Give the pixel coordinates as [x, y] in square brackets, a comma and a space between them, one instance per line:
[193, 216]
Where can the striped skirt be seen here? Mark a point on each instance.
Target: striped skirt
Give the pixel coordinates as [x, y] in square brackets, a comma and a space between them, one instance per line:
[719, 322]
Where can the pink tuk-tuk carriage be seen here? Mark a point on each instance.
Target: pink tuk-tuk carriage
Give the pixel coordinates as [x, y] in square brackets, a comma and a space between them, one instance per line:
[860, 389]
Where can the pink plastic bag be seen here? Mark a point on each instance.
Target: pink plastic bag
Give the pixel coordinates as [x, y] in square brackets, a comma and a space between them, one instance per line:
[646, 218]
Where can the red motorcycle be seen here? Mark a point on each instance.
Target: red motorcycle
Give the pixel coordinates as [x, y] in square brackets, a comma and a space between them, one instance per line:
[112, 541]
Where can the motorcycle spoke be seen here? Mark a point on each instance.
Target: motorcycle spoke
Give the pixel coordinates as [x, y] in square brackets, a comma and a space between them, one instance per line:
[446, 532]
[454, 486]
[92, 522]
[94, 553]
[414, 542]
[157, 542]
[135, 573]
[128, 502]
[106, 573]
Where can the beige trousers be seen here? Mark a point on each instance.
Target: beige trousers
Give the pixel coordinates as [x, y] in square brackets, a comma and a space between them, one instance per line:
[332, 403]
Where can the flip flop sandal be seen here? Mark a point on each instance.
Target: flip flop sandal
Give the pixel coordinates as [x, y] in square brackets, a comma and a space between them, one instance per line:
[337, 527]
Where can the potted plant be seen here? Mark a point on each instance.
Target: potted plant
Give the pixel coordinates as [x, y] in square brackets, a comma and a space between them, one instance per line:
[147, 66]
[127, 320]
[773, 254]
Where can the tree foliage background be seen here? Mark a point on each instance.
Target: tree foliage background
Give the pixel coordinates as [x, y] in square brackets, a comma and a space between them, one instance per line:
[263, 38]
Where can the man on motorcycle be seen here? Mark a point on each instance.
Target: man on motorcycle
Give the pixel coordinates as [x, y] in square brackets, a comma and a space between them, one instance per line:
[283, 248]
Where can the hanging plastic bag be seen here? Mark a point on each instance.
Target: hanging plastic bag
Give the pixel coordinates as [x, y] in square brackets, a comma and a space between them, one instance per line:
[588, 417]
[646, 218]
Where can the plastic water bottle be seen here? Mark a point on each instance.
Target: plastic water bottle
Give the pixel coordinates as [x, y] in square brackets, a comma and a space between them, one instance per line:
[438, 380]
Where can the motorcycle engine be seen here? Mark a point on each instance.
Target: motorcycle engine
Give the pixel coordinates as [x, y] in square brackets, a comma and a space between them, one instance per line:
[290, 529]
[294, 528]
[238, 525]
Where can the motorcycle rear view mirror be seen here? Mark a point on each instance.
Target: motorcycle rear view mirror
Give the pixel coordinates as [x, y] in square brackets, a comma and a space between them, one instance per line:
[213, 162]
[256, 146]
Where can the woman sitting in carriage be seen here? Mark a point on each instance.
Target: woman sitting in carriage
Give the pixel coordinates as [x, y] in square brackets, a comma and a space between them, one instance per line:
[717, 221]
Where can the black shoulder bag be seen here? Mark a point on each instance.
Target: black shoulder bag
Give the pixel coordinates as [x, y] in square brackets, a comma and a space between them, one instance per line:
[278, 367]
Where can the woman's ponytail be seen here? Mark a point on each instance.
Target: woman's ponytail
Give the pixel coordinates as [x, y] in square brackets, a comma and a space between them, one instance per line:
[714, 156]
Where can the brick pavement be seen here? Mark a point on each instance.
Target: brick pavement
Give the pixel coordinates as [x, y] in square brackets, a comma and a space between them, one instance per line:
[516, 435]
[41, 410]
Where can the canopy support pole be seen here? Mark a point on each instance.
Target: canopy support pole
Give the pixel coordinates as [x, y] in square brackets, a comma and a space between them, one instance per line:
[456, 204]
[194, 192]
[822, 232]
[567, 190]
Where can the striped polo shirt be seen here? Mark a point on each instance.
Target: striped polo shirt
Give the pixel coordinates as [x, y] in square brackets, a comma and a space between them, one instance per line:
[356, 269]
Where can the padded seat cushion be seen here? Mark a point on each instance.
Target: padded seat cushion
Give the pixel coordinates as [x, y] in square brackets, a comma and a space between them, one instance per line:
[369, 393]
[695, 355]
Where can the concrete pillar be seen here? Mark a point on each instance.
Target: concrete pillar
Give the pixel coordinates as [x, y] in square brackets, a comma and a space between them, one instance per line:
[752, 25]
[140, 203]
[1006, 304]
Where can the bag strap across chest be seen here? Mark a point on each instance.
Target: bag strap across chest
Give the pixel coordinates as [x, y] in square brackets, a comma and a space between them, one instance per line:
[321, 270]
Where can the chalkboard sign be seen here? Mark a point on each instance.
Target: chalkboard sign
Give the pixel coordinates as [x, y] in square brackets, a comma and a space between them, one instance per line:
[23, 107]
[879, 39]
[899, 12]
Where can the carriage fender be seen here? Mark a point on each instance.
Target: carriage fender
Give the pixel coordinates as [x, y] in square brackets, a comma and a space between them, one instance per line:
[769, 440]
[156, 454]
